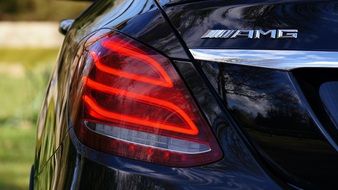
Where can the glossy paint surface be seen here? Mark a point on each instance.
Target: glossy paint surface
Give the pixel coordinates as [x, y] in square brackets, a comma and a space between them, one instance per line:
[138, 19]
[267, 106]
[316, 22]
[52, 125]
[67, 164]
[328, 92]
[53, 120]
[285, 149]
[323, 104]
[93, 170]
[70, 165]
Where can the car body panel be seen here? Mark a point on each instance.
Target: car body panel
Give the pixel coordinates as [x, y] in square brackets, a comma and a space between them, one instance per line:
[171, 28]
[253, 94]
[268, 107]
[315, 21]
[52, 126]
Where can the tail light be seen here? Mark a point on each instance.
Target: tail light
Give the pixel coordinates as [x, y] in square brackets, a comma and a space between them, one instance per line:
[129, 101]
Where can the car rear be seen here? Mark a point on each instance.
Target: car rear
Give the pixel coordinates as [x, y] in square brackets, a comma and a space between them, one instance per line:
[202, 95]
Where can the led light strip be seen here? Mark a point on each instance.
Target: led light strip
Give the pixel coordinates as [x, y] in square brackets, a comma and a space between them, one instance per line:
[193, 130]
[273, 59]
[148, 139]
[143, 57]
[117, 72]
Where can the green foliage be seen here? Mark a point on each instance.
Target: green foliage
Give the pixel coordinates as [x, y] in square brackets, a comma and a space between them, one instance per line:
[16, 156]
[24, 74]
[39, 10]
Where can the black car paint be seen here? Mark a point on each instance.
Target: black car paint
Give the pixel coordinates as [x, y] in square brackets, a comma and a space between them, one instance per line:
[242, 88]
[316, 22]
[62, 162]
[284, 133]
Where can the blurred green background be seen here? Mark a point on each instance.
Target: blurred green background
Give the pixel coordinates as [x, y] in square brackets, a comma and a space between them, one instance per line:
[24, 74]
[40, 10]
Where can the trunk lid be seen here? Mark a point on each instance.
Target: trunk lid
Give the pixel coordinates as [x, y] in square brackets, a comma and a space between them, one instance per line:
[267, 61]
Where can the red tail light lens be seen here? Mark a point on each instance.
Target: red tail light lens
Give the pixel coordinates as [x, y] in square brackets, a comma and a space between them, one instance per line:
[131, 102]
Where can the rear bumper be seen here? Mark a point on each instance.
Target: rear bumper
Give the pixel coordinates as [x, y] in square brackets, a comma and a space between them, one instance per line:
[95, 170]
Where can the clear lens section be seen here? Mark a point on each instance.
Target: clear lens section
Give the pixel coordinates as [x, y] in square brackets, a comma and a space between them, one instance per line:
[147, 139]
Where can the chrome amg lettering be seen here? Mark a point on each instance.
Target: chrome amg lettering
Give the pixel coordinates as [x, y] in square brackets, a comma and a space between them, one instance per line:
[258, 33]
[252, 34]
[243, 33]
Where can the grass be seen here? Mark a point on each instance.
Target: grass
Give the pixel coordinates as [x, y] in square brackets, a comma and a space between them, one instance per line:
[23, 78]
[16, 156]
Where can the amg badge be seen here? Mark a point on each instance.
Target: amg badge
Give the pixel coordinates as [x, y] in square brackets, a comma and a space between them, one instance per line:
[251, 34]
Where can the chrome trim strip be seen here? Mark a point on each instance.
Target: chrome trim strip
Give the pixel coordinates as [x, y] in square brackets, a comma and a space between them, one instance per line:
[273, 59]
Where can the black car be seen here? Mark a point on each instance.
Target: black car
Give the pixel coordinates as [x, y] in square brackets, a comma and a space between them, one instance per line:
[183, 94]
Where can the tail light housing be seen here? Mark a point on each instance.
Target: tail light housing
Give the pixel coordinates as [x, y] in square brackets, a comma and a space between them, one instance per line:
[128, 100]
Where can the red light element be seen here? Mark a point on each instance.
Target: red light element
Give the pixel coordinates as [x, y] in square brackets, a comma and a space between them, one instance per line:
[135, 53]
[132, 103]
[166, 156]
[140, 121]
[131, 148]
[150, 151]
